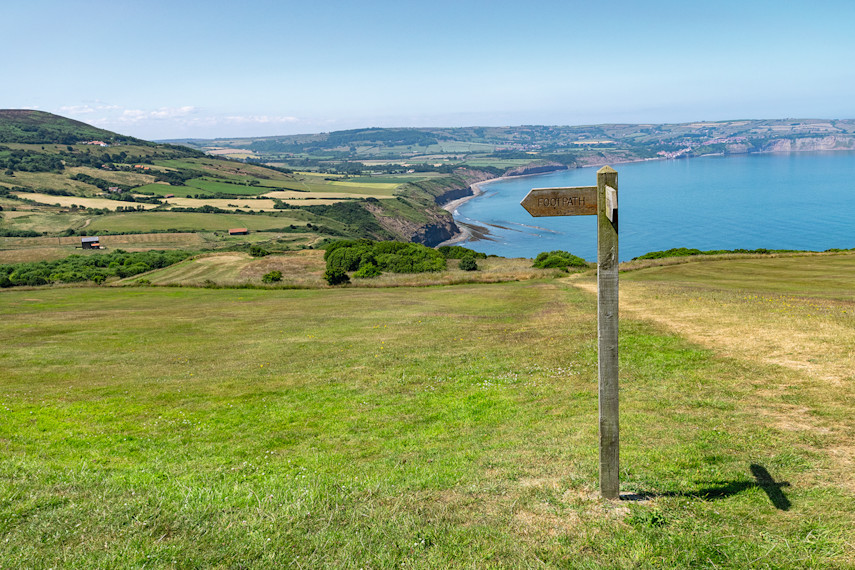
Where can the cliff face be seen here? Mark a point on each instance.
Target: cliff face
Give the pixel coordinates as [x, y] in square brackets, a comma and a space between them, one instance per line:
[463, 189]
[438, 227]
[427, 223]
[536, 168]
[830, 142]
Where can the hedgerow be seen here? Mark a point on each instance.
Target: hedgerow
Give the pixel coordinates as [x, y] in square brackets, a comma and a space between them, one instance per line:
[94, 267]
[459, 252]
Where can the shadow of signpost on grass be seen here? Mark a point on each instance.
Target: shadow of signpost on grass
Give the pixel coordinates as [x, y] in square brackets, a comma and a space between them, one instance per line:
[762, 480]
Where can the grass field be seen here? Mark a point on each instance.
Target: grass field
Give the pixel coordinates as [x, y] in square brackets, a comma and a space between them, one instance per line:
[116, 177]
[47, 180]
[423, 427]
[19, 250]
[42, 218]
[67, 201]
[183, 221]
[306, 268]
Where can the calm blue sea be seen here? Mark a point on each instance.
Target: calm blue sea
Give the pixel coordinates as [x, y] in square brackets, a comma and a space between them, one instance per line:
[775, 201]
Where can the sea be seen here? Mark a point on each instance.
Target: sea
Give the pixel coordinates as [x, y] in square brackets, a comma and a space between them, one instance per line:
[800, 201]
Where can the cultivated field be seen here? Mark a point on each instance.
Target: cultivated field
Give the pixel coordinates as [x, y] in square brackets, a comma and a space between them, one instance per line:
[19, 250]
[68, 201]
[182, 221]
[431, 426]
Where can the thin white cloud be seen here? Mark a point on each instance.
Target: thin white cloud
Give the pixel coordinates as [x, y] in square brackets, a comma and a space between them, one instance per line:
[76, 110]
[259, 119]
[172, 113]
[164, 122]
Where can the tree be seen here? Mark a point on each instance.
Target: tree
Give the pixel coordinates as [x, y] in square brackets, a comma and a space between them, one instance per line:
[258, 251]
[336, 277]
[468, 264]
[272, 277]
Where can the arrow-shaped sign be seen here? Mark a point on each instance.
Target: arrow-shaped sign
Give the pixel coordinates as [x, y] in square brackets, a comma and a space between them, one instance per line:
[576, 201]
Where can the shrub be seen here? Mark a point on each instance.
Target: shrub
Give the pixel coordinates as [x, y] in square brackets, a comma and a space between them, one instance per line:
[393, 256]
[336, 277]
[558, 259]
[272, 277]
[258, 251]
[459, 252]
[349, 258]
[367, 271]
[468, 264]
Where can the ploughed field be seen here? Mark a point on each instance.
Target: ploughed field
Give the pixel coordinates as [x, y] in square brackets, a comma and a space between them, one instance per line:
[431, 426]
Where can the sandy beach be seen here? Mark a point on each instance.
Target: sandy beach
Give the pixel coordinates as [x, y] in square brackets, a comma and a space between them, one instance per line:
[465, 232]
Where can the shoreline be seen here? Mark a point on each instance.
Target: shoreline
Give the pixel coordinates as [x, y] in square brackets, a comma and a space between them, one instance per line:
[465, 233]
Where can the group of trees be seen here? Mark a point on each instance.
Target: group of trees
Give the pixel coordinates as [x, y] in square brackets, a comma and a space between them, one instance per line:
[371, 258]
[28, 161]
[95, 267]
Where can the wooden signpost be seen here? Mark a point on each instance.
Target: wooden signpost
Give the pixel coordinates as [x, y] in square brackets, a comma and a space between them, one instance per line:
[601, 201]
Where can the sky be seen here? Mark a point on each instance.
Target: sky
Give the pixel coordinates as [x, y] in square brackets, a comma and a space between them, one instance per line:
[183, 69]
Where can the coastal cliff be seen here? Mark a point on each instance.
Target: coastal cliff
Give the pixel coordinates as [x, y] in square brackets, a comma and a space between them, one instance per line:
[462, 186]
[809, 144]
[417, 214]
[536, 168]
[434, 226]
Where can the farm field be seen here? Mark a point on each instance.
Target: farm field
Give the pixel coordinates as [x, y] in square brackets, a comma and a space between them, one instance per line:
[183, 221]
[67, 201]
[42, 218]
[306, 268]
[19, 250]
[427, 426]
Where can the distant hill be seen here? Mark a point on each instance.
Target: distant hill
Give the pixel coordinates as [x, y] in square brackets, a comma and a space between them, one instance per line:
[377, 151]
[38, 127]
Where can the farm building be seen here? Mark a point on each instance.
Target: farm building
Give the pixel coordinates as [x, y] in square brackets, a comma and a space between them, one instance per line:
[238, 232]
[93, 242]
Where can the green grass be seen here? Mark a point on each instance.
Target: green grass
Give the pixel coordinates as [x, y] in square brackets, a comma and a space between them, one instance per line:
[44, 219]
[193, 221]
[164, 189]
[395, 178]
[210, 186]
[427, 427]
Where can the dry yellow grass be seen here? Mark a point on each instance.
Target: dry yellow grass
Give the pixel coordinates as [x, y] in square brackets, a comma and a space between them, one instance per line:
[807, 343]
[67, 201]
[35, 254]
[259, 205]
[291, 195]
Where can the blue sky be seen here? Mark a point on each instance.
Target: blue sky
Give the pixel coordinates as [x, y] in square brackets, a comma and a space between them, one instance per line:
[169, 69]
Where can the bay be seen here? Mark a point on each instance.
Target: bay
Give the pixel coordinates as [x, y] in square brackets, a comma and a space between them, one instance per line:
[803, 201]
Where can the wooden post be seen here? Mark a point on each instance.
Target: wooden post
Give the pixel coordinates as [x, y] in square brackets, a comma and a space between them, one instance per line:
[579, 201]
[607, 330]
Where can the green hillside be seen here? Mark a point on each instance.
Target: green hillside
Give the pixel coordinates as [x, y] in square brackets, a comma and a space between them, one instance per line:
[60, 177]
[39, 127]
